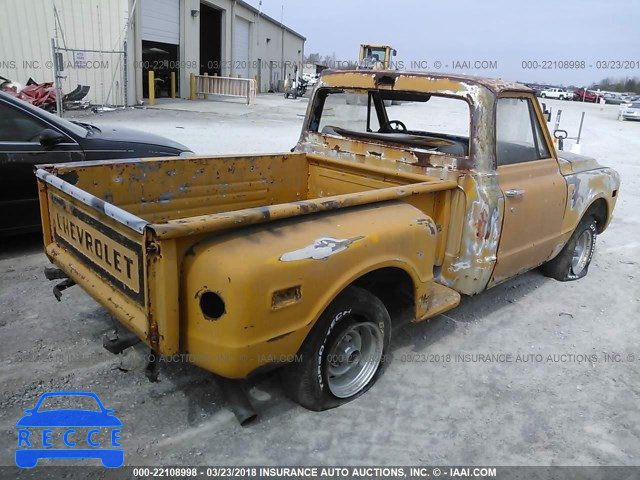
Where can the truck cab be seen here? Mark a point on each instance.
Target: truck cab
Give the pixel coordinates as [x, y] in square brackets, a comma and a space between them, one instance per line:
[521, 199]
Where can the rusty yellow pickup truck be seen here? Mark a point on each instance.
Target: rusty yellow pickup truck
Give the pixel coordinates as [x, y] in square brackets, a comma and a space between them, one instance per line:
[385, 213]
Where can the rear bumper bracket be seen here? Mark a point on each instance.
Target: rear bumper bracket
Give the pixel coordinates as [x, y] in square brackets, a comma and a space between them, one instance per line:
[63, 285]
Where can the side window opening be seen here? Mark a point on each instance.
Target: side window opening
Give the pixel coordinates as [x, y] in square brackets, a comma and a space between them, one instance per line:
[519, 136]
[543, 149]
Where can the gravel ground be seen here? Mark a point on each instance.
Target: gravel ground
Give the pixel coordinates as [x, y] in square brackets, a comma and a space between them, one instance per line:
[559, 401]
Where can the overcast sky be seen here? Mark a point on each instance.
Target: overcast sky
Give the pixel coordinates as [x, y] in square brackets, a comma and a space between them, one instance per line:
[501, 31]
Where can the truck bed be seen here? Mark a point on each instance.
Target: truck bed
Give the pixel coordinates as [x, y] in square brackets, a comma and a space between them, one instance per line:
[164, 190]
[121, 229]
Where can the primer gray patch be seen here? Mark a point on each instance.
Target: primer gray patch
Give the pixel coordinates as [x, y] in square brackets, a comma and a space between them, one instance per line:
[320, 249]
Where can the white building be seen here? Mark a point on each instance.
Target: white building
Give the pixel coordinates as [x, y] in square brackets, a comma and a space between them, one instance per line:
[110, 45]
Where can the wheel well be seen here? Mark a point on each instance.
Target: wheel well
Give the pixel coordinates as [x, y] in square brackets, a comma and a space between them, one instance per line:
[395, 288]
[599, 211]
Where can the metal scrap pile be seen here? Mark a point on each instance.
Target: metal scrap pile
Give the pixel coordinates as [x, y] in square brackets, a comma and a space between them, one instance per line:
[38, 94]
[44, 95]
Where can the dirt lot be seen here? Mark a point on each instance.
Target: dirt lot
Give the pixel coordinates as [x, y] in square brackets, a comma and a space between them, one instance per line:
[564, 403]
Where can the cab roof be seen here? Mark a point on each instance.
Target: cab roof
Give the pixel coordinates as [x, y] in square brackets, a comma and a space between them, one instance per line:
[415, 81]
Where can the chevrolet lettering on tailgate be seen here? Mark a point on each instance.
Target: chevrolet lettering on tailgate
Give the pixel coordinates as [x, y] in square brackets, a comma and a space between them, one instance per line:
[114, 256]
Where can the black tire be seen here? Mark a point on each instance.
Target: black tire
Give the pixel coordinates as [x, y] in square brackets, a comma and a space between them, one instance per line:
[562, 266]
[307, 381]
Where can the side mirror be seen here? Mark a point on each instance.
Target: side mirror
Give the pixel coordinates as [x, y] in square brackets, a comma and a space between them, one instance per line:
[50, 138]
[560, 134]
[546, 112]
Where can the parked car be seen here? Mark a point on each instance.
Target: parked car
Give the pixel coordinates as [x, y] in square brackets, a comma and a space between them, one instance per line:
[632, 112]
[559, 93]
[311, 78]
[30, 136]
[614, 99]
[587, 96]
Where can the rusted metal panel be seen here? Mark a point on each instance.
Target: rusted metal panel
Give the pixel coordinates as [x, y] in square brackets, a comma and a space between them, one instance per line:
[306, 193]
[160, 190]
[135, 223]
[446, 82]
[586, 187]
[478, 93]
[317, 256]
[468, 270]
[163, 280]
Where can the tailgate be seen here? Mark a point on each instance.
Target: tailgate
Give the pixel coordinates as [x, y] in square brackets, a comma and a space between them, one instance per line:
[99, 246]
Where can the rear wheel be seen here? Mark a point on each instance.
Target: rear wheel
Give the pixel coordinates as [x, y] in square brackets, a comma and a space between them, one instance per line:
[343, 354]
[574, 259]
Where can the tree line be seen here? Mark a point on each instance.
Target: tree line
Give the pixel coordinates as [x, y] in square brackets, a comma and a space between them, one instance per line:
[629, 84]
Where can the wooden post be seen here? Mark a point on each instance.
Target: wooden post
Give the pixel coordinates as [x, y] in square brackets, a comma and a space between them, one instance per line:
[206, 89]
[173, 84]
[152, 88]
[192, 86]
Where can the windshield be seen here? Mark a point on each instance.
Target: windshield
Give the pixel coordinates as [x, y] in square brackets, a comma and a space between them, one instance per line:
[437, 124]
[54, 119]
[376, 53]
[635, 105]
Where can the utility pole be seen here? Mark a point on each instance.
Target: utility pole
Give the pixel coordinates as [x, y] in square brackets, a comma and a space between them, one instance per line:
[57, 57]
[284, 70]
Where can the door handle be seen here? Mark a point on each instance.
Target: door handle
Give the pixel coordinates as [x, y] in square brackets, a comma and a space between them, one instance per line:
[514, 193]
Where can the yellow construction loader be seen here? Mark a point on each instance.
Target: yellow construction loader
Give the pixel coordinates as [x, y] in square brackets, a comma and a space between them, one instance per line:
[375, 57]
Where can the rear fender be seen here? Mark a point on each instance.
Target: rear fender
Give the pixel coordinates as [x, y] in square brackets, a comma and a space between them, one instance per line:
[275, 280]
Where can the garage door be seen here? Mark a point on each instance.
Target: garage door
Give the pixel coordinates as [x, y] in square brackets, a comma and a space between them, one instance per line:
[241, 48]
[161, 21]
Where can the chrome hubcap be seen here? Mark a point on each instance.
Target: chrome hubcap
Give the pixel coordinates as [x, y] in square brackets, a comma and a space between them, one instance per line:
[581, 252]
[353, 359]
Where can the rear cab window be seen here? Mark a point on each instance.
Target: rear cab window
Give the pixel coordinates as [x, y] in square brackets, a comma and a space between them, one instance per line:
[434, 123]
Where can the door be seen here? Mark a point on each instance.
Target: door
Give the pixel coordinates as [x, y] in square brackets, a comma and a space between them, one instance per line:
[160, 21]
[535, 193]
[20, 152]
[241, 48]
